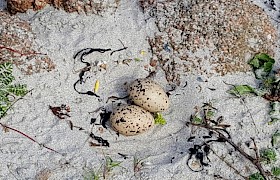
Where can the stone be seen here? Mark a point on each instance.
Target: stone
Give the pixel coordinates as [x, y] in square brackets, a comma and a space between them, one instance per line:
[81, 6]
[17, 46]
[214, 37]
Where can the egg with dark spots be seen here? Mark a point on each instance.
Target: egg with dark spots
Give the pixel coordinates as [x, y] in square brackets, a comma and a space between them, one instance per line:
[149, 95]
[131, 120]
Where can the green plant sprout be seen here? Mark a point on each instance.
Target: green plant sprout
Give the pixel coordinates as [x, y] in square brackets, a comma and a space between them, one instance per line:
[275, 140]
[262, 65]
[7, 89]
[137, 59]
[241, 90]
[196, 120]
[93, 175]
[274, 112]
[256, 176]
[209, 114]
[208, 110]
[268, 155]
[159, 119]
[275, 171]
[137, 163]
[109, 165]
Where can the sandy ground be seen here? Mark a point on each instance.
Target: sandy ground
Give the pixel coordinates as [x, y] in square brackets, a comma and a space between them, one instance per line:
[165, 148]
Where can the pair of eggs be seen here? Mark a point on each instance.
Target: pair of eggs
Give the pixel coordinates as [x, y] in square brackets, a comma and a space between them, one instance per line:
[148, 97]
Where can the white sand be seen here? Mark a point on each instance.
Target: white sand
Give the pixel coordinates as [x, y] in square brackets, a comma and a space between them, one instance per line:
[61, 35]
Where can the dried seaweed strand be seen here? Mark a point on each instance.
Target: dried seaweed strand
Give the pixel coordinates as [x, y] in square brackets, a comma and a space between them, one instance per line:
[83, 53]
[121, 49]
[124, 48]
[116, 98]
[103, 142]
[58, 111]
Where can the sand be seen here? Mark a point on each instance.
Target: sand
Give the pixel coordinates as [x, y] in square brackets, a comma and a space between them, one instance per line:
[165, 149]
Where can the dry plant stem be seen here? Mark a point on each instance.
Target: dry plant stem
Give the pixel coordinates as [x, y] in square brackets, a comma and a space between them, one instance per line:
[27, 136]
[255, 161]
[11, 172]
[251, 116]
[244, 104]
[20, 53]
[228, 164]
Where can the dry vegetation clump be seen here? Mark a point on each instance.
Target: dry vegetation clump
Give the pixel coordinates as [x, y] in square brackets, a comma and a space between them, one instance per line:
[208, 37]
[87, 6]
[17, 46]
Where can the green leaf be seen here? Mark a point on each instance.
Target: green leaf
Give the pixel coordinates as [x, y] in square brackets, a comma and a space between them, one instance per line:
[274, 112]
[268, 66]
[159, 119]
[137, 59]
[268, 82]
[18, 89]
[209, 114]
[256, 176]
[262, 65]
[268, 155]
[196, 120]
[111, 164]
[3, 110]
[275, 140]
[275, 171]
[240, 90]
[93, 174]
[6, 76]
[7, 89]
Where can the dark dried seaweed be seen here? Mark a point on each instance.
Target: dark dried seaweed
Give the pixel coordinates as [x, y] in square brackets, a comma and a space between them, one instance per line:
[124, 48]
[121, 49]
[81, 54]
[222, 136]
[100, 140]
[60, 111]
[116, 98]
[104, 117]
[198, 152]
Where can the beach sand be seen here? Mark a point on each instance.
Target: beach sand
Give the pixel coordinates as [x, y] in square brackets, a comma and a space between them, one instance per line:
[164, 149]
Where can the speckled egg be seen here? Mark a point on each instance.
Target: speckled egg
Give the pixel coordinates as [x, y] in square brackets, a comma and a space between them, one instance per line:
[131, 120]
[149, 95]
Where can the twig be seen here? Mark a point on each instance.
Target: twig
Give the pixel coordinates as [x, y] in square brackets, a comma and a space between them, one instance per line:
[255, 161]
[27, 136]
[251, 116]
[20, 53]
[228, 164]
[244, 104]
